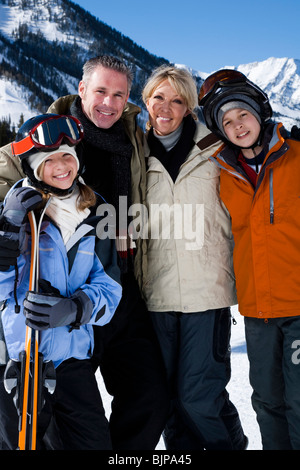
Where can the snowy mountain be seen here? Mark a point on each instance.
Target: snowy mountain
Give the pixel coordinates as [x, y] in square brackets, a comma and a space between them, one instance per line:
[280, 79]
[44, 43]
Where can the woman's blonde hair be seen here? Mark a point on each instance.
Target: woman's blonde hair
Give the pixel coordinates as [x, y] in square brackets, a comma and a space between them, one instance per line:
[180, 79]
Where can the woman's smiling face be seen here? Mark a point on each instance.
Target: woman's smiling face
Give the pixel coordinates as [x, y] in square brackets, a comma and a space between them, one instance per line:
[166, 109]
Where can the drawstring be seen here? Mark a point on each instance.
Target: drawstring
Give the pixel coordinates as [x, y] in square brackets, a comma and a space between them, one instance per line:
[17, 306]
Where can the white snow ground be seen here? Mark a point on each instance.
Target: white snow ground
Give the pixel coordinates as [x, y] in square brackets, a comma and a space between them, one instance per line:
[239, 388]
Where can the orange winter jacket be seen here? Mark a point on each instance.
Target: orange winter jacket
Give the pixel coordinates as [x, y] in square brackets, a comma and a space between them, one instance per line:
[265, 226]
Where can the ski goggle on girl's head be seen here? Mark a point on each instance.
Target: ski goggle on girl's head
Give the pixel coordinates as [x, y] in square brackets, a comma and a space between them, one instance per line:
[219, 79]
[49, 134]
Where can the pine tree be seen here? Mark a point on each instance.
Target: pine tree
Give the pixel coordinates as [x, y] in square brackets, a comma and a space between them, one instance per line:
[6, 133]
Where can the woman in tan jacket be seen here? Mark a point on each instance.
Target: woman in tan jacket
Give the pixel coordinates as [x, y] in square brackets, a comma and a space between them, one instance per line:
[189, 285]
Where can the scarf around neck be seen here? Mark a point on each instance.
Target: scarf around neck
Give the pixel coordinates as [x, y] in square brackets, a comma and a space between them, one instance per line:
[113, 140]
[114, 145]
[174, 158]
[64, 213]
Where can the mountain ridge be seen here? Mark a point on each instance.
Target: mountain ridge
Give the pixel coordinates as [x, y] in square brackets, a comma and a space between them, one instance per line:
[44, 43]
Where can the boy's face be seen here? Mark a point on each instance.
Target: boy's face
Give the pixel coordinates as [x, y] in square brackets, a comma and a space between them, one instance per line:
[59, 170]
[241, 127]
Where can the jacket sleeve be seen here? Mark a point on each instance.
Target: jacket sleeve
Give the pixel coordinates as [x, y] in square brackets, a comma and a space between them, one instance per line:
[7, 278]
[103, 286]
[10, 170]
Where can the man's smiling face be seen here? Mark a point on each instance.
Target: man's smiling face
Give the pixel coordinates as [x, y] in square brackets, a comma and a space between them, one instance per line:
[104, 96]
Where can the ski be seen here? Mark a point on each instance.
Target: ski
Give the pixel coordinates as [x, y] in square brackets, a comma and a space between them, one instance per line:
[28, 412]
[30, 375]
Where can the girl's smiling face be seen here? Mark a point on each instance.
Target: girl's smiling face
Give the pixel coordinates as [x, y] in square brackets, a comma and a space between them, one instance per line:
[59, 170]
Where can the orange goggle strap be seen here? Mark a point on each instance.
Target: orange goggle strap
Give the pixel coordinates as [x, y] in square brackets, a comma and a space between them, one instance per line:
[23, 146]
[26, 144]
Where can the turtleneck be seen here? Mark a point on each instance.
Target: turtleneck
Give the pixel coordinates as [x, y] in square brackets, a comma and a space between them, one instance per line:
[251, 166]
[257, 161]
[173, 149]
[169, 141]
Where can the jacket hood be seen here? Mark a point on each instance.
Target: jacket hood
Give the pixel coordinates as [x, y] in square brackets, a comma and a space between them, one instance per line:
[274, 138]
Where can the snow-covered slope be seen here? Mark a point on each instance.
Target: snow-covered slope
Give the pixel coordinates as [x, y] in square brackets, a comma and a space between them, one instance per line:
[239, 387]
[13, 101]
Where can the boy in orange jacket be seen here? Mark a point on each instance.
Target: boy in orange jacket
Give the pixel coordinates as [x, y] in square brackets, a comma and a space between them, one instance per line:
[260, 186]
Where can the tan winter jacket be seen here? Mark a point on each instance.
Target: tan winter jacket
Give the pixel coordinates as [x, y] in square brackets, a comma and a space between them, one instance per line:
[10, 169]
[190, 270]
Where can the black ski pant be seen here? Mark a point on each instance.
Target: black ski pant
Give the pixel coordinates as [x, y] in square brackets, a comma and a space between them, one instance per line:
[196, 352]
[273, 348]
[132, 368]
[76, 408]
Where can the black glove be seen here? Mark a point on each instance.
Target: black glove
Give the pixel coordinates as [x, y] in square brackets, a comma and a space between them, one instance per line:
[295, 133]
[46, 287]
[49, 310]
[9, 249]
[13, 214]
[19, 202]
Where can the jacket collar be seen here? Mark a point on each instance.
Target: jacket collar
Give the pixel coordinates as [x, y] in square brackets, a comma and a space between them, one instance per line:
[204, 146]
[273, 140]
[274, 145]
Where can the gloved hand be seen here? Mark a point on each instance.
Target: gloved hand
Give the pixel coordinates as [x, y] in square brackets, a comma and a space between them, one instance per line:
[46, 287]
[295, 133]
[18, 204]
[48, 310]
[9, 249]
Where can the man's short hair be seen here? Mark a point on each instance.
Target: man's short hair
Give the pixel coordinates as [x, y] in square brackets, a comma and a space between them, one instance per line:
[109, 62]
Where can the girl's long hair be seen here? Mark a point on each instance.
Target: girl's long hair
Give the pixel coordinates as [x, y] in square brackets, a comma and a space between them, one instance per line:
[86, 197]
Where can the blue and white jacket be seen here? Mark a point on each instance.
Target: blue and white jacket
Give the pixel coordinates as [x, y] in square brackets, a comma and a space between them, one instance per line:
[85, 263]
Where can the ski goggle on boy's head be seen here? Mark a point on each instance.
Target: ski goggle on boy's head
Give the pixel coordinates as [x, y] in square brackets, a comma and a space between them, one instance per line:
[219, 79]
[49, 134]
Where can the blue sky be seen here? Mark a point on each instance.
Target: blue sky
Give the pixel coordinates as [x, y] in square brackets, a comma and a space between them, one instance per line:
[206, 34]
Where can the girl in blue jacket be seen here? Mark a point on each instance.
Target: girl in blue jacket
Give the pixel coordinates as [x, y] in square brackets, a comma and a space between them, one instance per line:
[78, 283]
